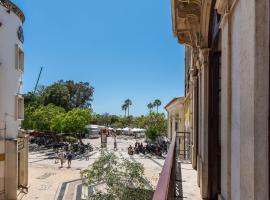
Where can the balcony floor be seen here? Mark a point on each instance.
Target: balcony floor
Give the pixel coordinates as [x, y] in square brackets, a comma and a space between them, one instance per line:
[191, 191]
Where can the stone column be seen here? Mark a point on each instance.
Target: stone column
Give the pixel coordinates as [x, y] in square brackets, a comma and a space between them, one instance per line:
[226, 98]
[204, 54]
[11, 169]
[169, 126]
[199, 125]
[194, 73]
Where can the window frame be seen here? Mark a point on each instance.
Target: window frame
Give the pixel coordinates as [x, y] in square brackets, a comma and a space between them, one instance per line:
[19, 111]
[19, 59]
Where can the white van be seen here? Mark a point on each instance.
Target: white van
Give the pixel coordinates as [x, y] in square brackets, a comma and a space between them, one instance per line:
[93, 131]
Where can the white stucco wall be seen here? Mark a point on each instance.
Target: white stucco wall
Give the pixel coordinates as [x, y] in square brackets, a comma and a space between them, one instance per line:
[9, 77]
[245, 176]
[176, 109]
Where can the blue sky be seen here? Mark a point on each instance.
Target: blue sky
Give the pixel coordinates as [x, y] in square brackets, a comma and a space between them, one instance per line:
[124, 48]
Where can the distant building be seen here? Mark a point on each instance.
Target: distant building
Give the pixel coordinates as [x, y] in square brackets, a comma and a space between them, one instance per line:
[176, 118]
[13, 140]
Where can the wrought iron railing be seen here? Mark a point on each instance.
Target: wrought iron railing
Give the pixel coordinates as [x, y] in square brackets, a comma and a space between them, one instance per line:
[170, 182]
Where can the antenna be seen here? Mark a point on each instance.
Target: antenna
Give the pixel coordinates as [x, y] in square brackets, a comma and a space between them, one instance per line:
[38, 80]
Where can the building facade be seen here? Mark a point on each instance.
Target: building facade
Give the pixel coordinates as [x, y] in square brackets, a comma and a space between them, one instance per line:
[13, 140]
[227, 87]
[176, 117]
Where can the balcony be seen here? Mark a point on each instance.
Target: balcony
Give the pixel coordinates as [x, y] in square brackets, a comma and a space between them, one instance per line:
[178, 180]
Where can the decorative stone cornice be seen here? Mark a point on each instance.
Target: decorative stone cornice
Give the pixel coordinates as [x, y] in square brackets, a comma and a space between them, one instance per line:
[221, 6]
[195, 59]
[204, 57]
[186, 21]
[191, 21]
[12, 7]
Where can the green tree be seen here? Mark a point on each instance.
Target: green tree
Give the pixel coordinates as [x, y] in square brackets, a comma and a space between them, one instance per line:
[128, 103]
[114, 119]
[150, 106]
[80, 94]
[124, 108]
[140, 122]
[43, 116]
[28, 122]
[31, 99]
[156, 125]
[57, 94]
[157, 103]
[123, 179]
[56, 123]
[152, 132]
[74, 121]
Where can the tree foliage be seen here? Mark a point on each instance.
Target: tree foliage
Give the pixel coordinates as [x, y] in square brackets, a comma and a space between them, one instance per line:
[65, 94]
[80, 94]
[127, 105]
[123, 179]
[157, 125]
[157, 103]
[28, 122]
[75, 120]
[42, 117]
[56, 94]
[32, 100]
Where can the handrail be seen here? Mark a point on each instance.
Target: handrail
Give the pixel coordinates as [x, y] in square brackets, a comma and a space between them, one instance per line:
[162, 190]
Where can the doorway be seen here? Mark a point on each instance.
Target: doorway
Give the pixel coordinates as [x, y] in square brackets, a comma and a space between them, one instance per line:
[19, 169]
[214, 137]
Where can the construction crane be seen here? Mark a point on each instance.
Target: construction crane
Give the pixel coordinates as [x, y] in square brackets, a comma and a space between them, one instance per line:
[38, 80]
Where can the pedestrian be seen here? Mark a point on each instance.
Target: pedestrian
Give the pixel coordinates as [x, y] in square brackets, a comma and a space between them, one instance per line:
[115, 144]
[62, 159]
[56, 157]
[86, 154]
[69, 158]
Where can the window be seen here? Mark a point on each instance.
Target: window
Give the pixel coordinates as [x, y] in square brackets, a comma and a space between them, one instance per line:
[19, 107]
[19, 59]
[176, 126]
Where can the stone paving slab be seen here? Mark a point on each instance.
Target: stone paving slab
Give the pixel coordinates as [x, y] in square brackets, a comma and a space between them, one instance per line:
[191, 191]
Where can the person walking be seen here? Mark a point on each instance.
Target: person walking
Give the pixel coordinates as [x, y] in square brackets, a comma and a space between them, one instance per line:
[62, 159]
[56, 156]
[86, 154]
[69, 158]
[115, 144]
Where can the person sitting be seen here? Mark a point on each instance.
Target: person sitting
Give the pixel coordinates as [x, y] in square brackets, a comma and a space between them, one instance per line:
[130, 150]
[158, 150]
[148, 148]
[137, 150]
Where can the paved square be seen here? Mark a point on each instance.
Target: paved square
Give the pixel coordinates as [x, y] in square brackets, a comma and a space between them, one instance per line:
[48, 181]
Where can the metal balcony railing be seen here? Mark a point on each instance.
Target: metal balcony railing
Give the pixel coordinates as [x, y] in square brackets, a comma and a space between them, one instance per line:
[170, 182]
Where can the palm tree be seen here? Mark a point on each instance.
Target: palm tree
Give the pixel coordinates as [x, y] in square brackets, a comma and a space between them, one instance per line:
[150, 106]
[157, 103]
[128, 103]
[124, 107]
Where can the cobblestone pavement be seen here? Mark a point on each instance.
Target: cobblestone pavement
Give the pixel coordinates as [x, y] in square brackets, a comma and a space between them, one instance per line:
[48, 181]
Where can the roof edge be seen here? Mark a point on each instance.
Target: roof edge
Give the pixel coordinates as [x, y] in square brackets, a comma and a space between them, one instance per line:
[12, 7]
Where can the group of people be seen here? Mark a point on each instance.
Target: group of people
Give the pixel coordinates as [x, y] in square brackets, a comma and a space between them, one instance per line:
[156, 149]
[139, 148]
[62, 157]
